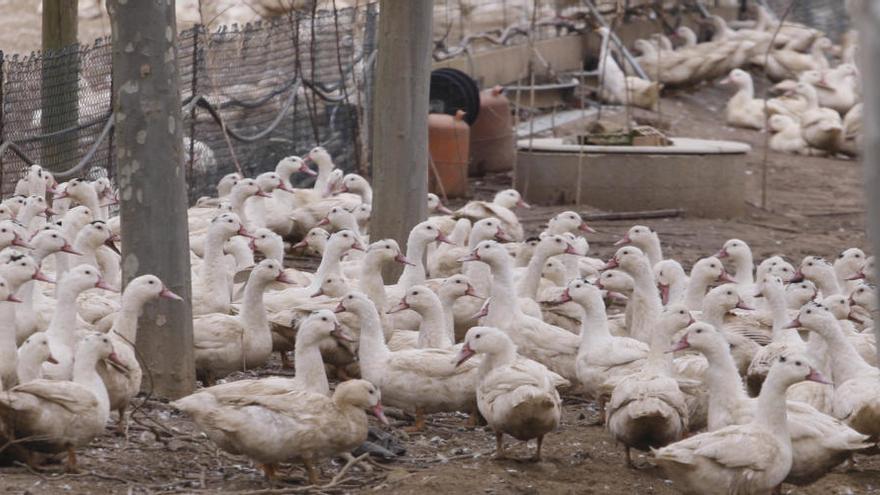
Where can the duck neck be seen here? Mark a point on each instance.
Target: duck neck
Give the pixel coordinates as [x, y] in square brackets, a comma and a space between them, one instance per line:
[528, 285]
[30, 366]
[414, 274]
[743, 266]
[646, 303]
[432, 330]
[26, 215]
[63, 321]
[447, 301]
[594, 326]
[330, 263]
[274, 251]
[253, 314]
[125, 324]
[310, 374]
[212, 272]
[722, 378]
[371, 282]
[826, 281]
[237, 199]
[86, 374]
[771, 411]
[504, 305]
[747, 90]
[373, 350]
[695, 293]
[608, 68]
[653, 250]
[88, 251]
[779, 312]
[324, 170]
[846, 363]
[504, 355]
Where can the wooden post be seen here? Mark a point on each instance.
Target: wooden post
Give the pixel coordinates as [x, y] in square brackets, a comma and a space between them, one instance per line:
[151, 180]
[60, 88]
[867, 14]
[400, 121]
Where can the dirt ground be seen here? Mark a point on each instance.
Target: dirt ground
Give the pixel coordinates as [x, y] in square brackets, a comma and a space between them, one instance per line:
[814, 206]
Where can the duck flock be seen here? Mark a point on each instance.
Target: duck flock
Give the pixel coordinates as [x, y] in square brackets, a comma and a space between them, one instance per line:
[735, 378]
[818, 110]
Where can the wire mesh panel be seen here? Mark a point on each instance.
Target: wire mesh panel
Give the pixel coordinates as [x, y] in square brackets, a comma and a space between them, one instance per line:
[54, 108]
[829, 16]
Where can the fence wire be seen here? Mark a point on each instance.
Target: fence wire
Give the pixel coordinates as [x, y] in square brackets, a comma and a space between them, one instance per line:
[281, 87]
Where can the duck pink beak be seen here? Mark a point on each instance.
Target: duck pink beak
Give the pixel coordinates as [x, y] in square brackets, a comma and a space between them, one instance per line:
[473, 256]
[339, 334]
[795, 323]
[61, 195]
[464, 354]
[441, 237]
[623, 240]
[115, 359]
[284, 279]
[471, 291]
[167, 294]
[742, 305]
[304, 168]
[301, 244]
[11, 298]
[611, 264]
[284, 187]
[798, 277]
[725, 277]
[571, 250]
[51, 359]
[244, 232]
[680, 345]
[18, 241]
[523, 204]
[583, 227]
[502, 236]
[563, 298]
[380, 414]
[815, 376]
[263, 194]
[400, 258]
[102, 284]
[722, 253]
[857, 276]
[443, 209]
[340, 308]
[401, 306]
[323, 221]
[664, 293]
[67, 248]
[38, 275]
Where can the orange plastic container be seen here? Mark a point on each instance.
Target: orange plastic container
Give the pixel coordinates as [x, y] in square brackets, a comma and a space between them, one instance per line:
[449, 146]
[493, 144]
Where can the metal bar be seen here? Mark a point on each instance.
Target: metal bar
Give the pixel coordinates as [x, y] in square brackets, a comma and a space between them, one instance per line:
[626, 54]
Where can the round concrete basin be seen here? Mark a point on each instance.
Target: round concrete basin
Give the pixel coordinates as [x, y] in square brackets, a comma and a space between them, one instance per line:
[704, 177]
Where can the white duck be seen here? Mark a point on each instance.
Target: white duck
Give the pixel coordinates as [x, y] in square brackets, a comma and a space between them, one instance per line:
[787, 136]
[212, 290]
[554, 347]
[226, 343]
[619, 88]
[304, 426]
[420, 380]
[646, 239]
[501, 207]
[31, 356]
[820, 127]
[123, 384]
[517, 397]
[704, 273]
[743, 109]
[647, 409]
[783, 339]
[62, 328]
[821, 273]
[819, 442]
[64, 415]
[672, 281]
[856, 399]
[750, 458]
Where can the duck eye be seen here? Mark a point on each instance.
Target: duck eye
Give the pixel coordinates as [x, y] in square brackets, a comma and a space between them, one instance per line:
[324, 319]
[712, 265]
[88, 272]
[699, 330]
[798, 363]
[351, 297]
[151, 282]
[415, 293]
[558, 241]
[681, 312]
[729, 293]
[809, 311]
[782, 359]
[478, 336]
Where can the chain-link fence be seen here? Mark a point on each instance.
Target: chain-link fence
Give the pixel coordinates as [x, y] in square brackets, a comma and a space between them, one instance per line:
[280, 87]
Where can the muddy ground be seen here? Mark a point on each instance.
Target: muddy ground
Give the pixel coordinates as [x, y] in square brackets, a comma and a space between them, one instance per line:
[815, 207]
